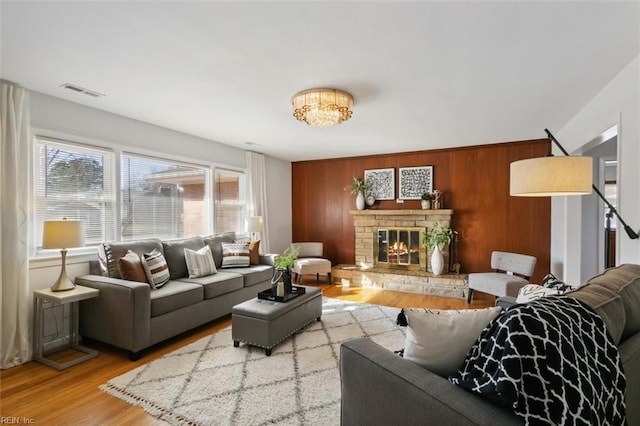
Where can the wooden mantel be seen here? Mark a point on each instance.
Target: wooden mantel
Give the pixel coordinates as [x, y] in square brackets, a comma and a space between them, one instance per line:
[374, 212]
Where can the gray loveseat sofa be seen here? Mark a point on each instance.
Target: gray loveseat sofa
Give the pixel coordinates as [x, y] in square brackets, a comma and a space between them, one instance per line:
[381, 388]
[132, 316]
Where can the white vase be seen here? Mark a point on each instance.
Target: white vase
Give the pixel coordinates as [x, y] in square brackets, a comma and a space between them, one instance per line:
[426, 204]
[437, 261]
[360, 201]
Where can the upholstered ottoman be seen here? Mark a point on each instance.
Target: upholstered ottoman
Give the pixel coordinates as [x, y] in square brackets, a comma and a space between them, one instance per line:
[312, 265]
[265, 323]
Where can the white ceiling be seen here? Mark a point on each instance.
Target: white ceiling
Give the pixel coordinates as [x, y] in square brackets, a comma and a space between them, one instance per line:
[424, 75]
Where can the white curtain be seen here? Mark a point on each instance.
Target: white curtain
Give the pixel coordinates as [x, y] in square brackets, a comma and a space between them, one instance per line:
[15, 145]
[258, 195]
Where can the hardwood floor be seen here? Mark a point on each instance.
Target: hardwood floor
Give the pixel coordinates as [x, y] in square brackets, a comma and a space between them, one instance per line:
[37, 393]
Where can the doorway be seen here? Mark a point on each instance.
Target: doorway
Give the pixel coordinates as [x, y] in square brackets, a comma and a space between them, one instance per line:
[596, 241]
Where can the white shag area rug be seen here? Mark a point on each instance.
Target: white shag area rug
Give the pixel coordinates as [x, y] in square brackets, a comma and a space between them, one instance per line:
[210, 382]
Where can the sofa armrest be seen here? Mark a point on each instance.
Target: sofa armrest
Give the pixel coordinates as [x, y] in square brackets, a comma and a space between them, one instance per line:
[381, 388]
[120, 315]
[268, 259]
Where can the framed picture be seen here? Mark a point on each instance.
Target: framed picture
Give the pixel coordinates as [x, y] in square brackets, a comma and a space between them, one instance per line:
[415, 181]
[383, 183]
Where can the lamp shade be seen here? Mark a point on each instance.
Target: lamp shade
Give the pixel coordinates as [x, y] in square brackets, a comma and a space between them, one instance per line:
[548, 176]
[255, 224]
[62, 234]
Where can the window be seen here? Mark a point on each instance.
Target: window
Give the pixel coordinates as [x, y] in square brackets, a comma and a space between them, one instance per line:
[229, 200]
[75, 182]
[159, 198]
[163, 199]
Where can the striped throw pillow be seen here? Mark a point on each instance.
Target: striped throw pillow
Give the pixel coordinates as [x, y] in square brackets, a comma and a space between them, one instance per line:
[235, 255]
[199, 263]
[156, 268]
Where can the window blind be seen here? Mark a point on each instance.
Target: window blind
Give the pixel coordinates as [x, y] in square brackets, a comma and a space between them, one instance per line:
[75, 182]
[162, 199]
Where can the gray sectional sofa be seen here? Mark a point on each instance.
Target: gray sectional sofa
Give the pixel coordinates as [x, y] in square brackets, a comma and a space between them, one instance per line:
[133, 316]
[381, 388]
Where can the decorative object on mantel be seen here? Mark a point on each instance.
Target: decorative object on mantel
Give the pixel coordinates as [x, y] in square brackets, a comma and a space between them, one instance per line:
[370, 200]
[436, 238]
[322, 107]
[436, 196]
[358, 187]
[383, 183]
[414, 181]
[282, 270]
[425, 201]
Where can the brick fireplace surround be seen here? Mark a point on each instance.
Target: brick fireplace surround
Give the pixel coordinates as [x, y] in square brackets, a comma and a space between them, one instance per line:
[364, 274]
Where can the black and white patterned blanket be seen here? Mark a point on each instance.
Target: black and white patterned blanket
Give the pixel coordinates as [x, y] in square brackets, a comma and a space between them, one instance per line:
[552, 361]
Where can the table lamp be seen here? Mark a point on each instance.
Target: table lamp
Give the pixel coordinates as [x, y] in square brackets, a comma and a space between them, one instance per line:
[62, 234]
[255, 225]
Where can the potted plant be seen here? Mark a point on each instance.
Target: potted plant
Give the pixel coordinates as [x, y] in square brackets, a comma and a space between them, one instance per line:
[358, 187]
[435, 239]
[282, 268]
[425, 201]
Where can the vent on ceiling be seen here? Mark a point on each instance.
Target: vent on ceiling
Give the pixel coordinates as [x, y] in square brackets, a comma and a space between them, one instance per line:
[82, 90]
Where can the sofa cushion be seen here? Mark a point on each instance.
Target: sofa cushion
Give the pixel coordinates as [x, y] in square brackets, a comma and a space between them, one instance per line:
[110, 252]
[623, 280]
[254, 274]
[200, 262]
[215, 243]
[217, 284]
[130, 268]
[439, 340]
[607, 304]
[175, 295]
[235, 255]
[174, 253]
[534, 291]
[156, 269]
[551, 281]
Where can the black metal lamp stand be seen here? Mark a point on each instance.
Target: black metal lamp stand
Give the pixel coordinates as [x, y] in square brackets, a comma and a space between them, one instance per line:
[612, 210]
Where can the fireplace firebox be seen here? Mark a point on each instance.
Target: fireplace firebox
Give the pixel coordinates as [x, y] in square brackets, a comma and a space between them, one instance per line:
[399, 248]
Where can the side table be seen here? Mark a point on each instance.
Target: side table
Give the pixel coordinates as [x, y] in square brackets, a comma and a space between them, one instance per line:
[71, 297]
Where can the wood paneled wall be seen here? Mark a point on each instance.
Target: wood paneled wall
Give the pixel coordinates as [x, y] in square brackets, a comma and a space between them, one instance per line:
[475, 182]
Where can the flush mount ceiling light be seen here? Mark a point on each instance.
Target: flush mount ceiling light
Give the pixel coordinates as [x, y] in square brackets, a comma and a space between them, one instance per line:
[322, 107]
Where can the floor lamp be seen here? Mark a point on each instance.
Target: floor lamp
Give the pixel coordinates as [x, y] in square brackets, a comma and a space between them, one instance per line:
[568, 175]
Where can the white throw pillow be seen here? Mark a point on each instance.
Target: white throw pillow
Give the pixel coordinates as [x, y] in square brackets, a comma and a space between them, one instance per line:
[200, 263]
[156, 268]
[534, 291]
[235, 255]
[439, 340]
